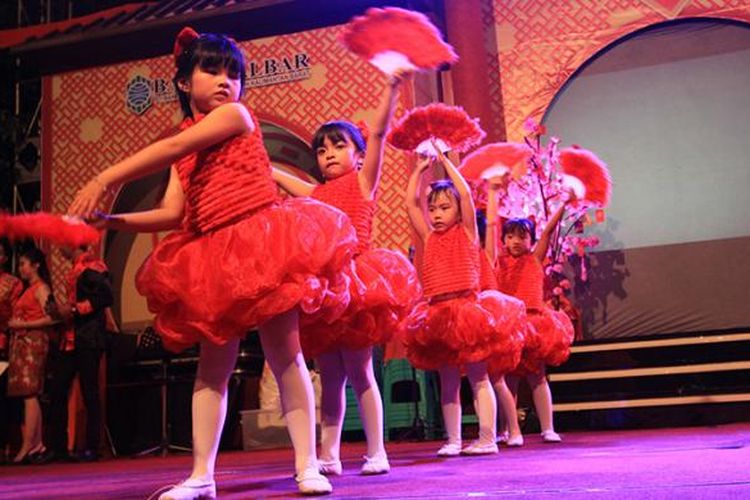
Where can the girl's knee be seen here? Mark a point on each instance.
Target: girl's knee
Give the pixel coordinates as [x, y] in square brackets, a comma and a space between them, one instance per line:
[362, 385]
[477, 373]
[212, 379]
[536, 380]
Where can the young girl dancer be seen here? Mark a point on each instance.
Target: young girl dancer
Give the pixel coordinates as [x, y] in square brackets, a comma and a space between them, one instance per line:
[549, 333]
[240, 257]
[458, 326]
[384, 285]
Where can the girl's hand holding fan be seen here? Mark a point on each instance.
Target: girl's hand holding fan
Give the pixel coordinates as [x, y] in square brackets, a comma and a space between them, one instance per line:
[586, 175]
[499, 159]
[58, 229]
[436, 129]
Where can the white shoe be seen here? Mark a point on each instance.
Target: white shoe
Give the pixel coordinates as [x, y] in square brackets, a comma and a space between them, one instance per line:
[449, 450]
[550, 436]
[502, 437]
[376, 465]
[330, 467]
[191, 489]
[312, 482]
[477, 448]
[515, 441]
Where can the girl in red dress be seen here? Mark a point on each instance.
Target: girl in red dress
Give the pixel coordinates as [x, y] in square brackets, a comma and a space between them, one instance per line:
[240, 257]
[384, 285]
[458, 326]
[10, 287]
[29, 345]
[549, 333]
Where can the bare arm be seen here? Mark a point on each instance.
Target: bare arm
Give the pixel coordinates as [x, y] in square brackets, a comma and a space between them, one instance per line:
[220, 124]
[291, 183]
[168, 216]
[542, 246]
[491, 242]
[468, 213]
[413, 201]
[490, 238]
[369, 176]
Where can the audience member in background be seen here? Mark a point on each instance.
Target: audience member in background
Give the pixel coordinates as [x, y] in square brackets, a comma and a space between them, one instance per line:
[30, 326]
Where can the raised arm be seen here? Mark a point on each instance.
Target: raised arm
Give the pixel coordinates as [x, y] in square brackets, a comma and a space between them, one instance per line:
[495, 187]
[220, 124]
[369, 176]
[413, 199]
[542, 246]
[291, 183]
[468, 213]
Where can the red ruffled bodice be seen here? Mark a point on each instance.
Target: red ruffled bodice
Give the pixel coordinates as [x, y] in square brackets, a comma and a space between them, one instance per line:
[523, 278]
[345, 194]
[450, 262]
[234, 179]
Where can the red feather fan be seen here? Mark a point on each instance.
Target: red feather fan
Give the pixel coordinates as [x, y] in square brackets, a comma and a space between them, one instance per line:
[495, 160]
[395, 39]
[57, 229]
[439, 122]
[587, 170]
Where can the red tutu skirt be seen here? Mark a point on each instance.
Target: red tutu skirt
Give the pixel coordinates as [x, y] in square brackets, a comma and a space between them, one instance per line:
[549, 335]
[462, 330]
[507, 359]
[223, 283]
[384, 288]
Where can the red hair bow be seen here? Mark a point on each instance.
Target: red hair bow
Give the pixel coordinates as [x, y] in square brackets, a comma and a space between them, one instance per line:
[186, 36]
[364, 130]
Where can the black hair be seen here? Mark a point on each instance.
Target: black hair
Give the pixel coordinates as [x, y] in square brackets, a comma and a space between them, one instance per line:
[208, 51]
[520, 226]
[337, 131]
[443, 186]
[36, 256]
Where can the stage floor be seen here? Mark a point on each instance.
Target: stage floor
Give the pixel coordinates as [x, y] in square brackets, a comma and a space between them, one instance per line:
[697, 462]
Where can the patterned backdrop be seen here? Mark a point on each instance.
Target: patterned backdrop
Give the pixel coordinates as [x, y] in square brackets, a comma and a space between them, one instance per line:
[542, 43]
[89, 125]
[532, 48]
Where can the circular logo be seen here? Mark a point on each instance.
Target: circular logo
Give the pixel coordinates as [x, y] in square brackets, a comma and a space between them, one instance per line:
[138, 95]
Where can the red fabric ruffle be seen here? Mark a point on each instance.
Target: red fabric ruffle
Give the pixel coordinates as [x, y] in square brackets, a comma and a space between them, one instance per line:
[223, 283]
[463, 330]
[384, 288]
[548, 338]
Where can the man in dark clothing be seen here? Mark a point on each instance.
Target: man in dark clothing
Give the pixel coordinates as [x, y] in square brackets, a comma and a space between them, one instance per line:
[80, 350]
